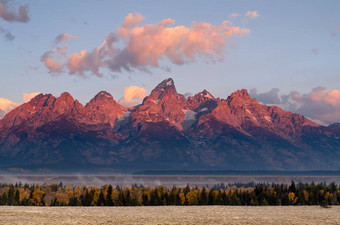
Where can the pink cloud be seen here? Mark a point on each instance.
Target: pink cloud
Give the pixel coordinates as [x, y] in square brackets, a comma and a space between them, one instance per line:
[7, 105]
[315, 51]
[92, 61]
[21, 15]
[76, 62]
[320, 104]
[233, 15]
[52, 65]
[64, 37]
[320, 94]
[28, 96]
[337, 31]
[145, 46]
[131, 20]
[133, 95]
[148, 44]
[252, 14]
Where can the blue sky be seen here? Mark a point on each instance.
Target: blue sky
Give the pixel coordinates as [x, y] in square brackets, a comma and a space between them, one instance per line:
[290, 46]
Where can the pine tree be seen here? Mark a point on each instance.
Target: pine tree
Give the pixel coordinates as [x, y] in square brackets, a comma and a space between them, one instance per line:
[10, 199]
[211, 199]
[109, 201]
[101, 199]
[203, 197]
[121, 198]
[128, 198]
[145, 199]
[17, 197]
[292, 187]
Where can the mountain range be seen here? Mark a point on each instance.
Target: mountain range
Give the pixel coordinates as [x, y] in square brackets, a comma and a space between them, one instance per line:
[166, 131]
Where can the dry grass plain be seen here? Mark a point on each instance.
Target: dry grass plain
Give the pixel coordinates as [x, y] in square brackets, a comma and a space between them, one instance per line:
[171, 215]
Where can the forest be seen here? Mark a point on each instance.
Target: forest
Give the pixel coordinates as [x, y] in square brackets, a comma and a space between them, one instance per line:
[249, 194]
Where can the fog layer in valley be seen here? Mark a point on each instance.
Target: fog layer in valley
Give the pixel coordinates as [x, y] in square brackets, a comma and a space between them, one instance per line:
[165, 180]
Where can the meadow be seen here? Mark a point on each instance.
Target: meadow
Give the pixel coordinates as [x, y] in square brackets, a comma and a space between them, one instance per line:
[170, 215]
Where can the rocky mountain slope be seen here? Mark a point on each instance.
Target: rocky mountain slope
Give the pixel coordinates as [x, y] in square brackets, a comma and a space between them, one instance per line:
[166, 131]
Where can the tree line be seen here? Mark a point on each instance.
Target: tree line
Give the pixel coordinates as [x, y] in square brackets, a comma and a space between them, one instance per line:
[247, 195]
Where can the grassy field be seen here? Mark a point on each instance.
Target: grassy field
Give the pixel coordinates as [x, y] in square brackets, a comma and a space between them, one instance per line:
[171, 215]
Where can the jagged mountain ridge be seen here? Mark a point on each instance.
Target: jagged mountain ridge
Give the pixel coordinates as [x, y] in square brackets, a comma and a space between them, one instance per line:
[166, 131]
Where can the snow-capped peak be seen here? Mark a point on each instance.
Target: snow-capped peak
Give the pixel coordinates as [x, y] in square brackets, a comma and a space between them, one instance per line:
[169, 82]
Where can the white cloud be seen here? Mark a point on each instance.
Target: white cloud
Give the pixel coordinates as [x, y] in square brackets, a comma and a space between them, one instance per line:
[133, 95]
[7, 105]
[252, 14]
[28, 96]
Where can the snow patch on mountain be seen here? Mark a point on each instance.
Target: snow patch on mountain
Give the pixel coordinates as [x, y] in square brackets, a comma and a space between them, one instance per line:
[156, 101]
[125, 116]
[189, 119]
[208, 96]
[190, 115]
[169, 83]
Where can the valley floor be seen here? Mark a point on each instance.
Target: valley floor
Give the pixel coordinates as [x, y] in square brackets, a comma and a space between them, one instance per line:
[171, 215]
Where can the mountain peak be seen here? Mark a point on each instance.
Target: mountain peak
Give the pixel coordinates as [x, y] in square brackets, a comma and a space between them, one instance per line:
[206, 94]
[195, 101]
[166, 87]
[66, 96]
[40, 99]
[166, 84]
[103, 95]
[243, 93]
[103, 109]
[240, 97]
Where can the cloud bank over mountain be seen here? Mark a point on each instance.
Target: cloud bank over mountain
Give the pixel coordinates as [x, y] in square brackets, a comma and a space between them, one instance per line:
[133, 95]
[320, 104]
[7, 105]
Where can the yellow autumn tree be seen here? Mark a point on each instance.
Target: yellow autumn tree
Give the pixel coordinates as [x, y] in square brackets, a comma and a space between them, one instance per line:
[23, 194]
[305, 193]
[136, 193]
[292, 198]
[77, 192]
[96, 195]
[37, 197]
[62, 199]
[192, 197]
[182, 197]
